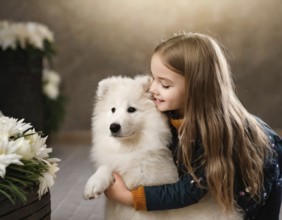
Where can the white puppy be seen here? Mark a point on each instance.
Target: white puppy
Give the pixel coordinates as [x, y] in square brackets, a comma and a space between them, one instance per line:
[131, 136]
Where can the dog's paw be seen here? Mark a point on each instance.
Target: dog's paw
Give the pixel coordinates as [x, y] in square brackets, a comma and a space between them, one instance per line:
[94, 188]
[98, 182]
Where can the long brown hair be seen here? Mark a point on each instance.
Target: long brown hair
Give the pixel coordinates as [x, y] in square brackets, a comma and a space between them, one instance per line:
[231, 137]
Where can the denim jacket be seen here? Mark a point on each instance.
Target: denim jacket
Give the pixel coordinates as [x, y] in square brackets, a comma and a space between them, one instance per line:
[185, 192]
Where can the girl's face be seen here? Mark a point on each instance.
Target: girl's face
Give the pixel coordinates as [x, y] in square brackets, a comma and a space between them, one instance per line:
[168, 87]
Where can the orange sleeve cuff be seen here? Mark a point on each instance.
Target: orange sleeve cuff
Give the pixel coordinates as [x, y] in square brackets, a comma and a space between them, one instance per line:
[139, 198]
[176, 123]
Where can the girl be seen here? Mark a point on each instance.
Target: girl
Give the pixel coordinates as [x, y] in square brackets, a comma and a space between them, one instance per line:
[222, 148]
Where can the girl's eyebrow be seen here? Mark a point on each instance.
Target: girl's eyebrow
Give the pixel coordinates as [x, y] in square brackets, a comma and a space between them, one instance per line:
[162, 78]
[165, 79]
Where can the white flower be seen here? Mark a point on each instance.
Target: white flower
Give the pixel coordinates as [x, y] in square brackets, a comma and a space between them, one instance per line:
[34, 38]
[7, 38]
[11, 127]
[7, 146]
[51, 82]
[24, 149]
[7, 155]
[6, 160]
[47, 180]
[51, 91]
[44, 32]
[37, 144]
[51, 76]
[31, 33]
[25, 141]
[18, 142]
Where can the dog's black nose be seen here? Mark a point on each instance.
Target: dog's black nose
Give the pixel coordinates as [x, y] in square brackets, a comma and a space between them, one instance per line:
[114, 127]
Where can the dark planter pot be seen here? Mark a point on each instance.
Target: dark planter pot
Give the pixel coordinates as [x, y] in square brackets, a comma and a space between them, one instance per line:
[21, 85]
[33, 209]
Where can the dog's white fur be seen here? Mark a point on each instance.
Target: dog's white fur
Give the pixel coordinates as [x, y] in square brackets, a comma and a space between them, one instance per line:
[138, 150]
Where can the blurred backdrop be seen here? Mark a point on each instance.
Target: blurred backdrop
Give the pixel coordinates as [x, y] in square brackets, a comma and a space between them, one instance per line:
[99, 38]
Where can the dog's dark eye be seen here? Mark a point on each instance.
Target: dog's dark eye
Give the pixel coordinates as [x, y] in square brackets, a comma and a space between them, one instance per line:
[113, 110]
[131, 109]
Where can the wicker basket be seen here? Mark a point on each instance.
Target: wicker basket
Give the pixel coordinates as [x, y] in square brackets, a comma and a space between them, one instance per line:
[21, 85]
[33, 209]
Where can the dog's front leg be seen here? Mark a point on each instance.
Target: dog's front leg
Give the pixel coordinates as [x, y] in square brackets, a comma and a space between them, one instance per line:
[98, 182]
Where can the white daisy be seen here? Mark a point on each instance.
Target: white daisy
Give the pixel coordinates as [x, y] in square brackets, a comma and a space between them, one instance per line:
[24, 33]
[51, 82]
[47, 180]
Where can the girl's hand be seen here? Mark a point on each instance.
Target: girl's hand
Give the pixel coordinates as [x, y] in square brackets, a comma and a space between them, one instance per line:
[118, 191]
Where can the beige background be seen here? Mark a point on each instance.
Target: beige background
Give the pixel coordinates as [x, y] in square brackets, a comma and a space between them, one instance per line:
[98, 38]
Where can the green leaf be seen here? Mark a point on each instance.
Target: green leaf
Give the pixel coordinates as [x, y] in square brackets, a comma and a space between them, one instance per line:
[7, 196]
[19, 178]
[18, 192]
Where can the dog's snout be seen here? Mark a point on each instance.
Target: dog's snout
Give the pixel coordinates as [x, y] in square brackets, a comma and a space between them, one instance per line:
[115, 127]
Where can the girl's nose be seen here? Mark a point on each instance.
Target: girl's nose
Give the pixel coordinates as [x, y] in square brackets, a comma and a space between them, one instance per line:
[153, 87]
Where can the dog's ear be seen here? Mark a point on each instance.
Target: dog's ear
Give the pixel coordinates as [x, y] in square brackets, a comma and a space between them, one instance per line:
[104, 86]
[145, 81]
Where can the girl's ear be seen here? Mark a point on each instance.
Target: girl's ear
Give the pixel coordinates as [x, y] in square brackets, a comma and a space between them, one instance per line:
[145, 81]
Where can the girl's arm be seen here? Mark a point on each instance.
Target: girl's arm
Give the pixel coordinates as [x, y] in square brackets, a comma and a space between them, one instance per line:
[169, 196]
[183, 193]
[118, 191]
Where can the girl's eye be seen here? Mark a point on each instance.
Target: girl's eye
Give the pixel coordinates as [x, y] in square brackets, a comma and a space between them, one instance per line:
[113, 110]
[131, 109]
[165, 87]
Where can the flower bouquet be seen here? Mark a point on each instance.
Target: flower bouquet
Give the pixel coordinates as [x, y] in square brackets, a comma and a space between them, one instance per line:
[26, 51]
[26, 36]
[24, 161]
